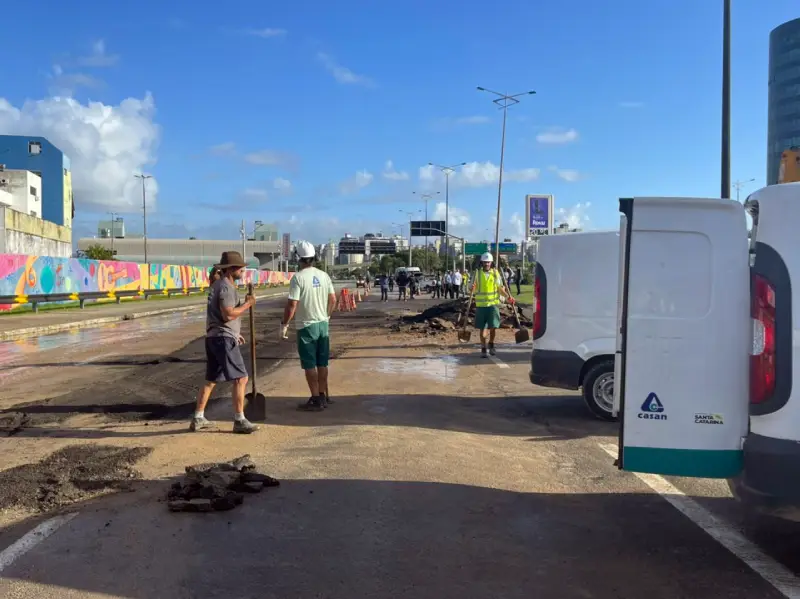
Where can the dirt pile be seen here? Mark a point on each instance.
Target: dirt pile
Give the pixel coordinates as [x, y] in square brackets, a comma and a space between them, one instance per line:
[69, 475]
[217, 487]
[447, 316]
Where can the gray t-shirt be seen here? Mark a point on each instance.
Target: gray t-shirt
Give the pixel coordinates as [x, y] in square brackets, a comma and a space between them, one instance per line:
[223, 294]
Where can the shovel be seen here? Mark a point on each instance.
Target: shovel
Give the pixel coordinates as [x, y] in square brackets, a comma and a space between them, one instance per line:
[255, 402]
[520, 335]
[464, 335]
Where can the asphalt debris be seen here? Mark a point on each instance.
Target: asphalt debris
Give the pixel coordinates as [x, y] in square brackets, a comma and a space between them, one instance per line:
[71, 474]
[448, 316]
[217, 486]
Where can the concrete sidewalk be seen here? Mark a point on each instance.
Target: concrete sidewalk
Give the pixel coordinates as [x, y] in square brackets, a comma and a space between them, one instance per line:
[17, 326]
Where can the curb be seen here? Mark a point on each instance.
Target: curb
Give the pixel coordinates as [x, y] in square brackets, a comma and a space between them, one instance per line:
[94, 322]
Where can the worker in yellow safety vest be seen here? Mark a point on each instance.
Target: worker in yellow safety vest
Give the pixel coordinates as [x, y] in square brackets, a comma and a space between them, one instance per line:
[487, 288]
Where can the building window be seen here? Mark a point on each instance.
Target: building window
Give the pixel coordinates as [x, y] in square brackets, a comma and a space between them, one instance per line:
[33, 190]
[34, 148]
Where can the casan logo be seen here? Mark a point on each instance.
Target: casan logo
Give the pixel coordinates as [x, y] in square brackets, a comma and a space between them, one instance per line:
[652, 409]
[708, 419]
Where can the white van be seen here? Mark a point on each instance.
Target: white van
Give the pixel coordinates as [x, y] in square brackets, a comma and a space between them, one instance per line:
[575, 316]
[705, 353]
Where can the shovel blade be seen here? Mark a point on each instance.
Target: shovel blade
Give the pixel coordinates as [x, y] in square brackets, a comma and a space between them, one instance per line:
[464, 336]
[255, 407]
[522, 335]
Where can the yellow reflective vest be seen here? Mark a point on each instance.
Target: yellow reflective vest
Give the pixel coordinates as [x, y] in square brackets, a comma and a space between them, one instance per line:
[487, 290]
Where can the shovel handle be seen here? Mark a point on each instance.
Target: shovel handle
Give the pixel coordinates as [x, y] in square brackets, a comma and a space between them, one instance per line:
[514, 305]
[252, 342]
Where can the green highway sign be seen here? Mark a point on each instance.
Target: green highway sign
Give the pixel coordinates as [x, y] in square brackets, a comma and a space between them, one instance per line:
[476, 249]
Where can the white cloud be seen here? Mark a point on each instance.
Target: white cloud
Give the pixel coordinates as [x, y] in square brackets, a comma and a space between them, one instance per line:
[107, 145]
[566, 174]
[518, 226]
[575, 216]
[98, 57]
[282, 184]
[391, 174]
[65, 84]
[343, 74]
[476, 174]
[457, 216]
[358, 181]
[268, 158]
[556, 135]
[227, 148]
[266, 33]
[630, 104]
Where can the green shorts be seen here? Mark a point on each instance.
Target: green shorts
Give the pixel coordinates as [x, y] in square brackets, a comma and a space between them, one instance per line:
[487, 317]
[314, 346]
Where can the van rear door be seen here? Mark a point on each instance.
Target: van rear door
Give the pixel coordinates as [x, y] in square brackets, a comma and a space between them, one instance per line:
[685, 336]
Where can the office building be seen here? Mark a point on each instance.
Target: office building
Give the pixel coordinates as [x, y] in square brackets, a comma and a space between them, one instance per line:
[21, 191]
[783, 112]
[38, 155]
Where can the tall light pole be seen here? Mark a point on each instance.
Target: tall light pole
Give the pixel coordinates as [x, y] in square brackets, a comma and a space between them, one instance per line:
[409, 214]
[738, 186]
[447, 170]
[725, 182]
[503, 101]
[426, 197]
[113, 216]
[144, 179]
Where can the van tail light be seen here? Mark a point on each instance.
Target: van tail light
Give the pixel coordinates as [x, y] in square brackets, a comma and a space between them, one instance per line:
[762, 358]
[537, 306]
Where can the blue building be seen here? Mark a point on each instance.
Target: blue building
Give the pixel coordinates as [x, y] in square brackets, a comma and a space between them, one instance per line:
[783, 120]
[36, 154]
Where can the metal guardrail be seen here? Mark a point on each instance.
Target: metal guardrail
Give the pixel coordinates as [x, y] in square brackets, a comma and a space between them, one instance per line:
[35, 300]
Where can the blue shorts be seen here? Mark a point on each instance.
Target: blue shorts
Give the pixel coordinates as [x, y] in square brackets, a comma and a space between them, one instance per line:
[224, 361]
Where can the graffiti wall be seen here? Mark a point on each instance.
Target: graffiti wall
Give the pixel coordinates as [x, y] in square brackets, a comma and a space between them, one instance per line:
[37, 275]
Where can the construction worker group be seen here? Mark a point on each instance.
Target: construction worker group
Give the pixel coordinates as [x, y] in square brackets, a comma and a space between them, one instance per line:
[310, 303]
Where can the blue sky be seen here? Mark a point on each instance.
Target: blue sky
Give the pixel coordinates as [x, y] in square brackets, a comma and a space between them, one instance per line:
[289, 115]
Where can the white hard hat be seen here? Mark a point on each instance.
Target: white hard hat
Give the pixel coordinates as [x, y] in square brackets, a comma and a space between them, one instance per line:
[305, 249]
[487, 257]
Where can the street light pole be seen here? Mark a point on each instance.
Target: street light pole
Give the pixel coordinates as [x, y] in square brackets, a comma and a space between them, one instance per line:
[113, 216]
[447, 170]
[409, 213]
[726, 102]
[738, 186]
[503, 101]
[144, 178]
[426, 197]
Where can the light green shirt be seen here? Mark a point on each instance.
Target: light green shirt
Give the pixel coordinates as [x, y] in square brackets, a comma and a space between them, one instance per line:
[310, 288]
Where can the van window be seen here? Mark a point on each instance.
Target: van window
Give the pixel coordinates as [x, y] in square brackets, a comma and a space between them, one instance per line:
[664, 265]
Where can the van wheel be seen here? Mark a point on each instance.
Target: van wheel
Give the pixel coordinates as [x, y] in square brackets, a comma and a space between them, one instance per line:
[598, 390]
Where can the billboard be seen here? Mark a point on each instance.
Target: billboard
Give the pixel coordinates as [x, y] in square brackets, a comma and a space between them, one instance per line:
[286, 245]
[352, 247]
[427, 228]
[379, 248]
[539, 214]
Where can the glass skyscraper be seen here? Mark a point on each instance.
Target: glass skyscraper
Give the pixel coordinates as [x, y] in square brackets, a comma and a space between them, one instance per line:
[783, 126]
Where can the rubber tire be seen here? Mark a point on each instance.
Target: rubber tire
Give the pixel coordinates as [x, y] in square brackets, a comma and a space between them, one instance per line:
[594, 373]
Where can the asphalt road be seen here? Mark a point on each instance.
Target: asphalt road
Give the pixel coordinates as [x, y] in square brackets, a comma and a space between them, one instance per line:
[436, 474]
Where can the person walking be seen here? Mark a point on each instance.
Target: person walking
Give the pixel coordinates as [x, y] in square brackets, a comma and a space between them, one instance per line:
[412, 286]
[312, 300]
[488, 287]
[402, 283]
[224, 361]
[391, 283]
[448, 285]
[457, 281]
[518, 279]
[383, 281]
[437, 285]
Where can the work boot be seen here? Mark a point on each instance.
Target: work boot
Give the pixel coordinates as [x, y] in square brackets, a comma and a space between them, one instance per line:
[198, 424]
[483, 353]
[326, 399]
[314, 404]
[244, 427]
[492, 351]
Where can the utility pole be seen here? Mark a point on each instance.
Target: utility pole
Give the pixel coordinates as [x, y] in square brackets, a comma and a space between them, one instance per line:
[144, 179]
[447, 170]
[726, 102]
[738, 186]
[503, 101]
[243, 231]
[426, 197]
[113, 216]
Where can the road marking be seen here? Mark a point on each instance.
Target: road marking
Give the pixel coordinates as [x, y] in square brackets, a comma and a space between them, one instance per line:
[773, 572]
[498, 362]
[19, 548]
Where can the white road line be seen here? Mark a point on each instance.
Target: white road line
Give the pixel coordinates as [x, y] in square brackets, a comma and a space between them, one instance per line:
[773, 572]
[498, 362]
[19, 548]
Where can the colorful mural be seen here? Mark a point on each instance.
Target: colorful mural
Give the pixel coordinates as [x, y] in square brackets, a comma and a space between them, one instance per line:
[37, 275]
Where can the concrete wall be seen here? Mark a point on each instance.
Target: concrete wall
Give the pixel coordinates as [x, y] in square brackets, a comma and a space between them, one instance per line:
[24, 234]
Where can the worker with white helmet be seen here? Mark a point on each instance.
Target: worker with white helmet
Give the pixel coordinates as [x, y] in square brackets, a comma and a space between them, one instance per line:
[312, 299]
[487, 288]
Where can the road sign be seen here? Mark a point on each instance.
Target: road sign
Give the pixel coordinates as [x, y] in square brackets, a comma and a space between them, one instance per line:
[379, 248]
[286, 245]
[352, 247]
[427, 228]
[476, 249]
